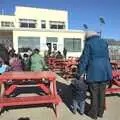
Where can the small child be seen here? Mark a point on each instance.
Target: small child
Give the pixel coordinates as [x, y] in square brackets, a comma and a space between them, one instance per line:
[3, 67]
[79, 88]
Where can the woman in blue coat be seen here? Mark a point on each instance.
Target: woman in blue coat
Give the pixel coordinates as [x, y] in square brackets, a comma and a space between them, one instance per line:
[95, 62]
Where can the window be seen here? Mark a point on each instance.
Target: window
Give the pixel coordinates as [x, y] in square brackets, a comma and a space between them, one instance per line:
[52, 39]
[25, 43]
[28, 23]
[114, 52]
[7, 24]
[43, 24]
[53, 26]
[72, 44]
[57, 25]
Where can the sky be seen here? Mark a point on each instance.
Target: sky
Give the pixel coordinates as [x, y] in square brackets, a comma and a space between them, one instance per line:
[79, 11]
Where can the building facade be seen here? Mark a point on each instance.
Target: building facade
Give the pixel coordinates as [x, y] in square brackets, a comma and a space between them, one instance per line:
[35, 28]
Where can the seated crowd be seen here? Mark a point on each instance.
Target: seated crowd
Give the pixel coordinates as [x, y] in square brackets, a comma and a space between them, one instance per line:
[28, 62]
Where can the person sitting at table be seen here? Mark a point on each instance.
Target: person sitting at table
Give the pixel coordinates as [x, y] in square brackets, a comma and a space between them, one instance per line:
[37, 61]
[15, 63]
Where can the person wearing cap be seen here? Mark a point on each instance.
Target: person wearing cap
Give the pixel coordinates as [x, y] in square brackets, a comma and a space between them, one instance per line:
[95, 62]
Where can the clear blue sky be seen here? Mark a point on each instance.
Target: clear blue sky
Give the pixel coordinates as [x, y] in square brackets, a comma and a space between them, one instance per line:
[80, 12]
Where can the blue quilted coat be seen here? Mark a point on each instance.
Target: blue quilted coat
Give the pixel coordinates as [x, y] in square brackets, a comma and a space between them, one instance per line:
[94, 60]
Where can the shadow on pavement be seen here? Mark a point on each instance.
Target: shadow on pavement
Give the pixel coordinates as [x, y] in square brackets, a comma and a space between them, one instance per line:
[65, 92]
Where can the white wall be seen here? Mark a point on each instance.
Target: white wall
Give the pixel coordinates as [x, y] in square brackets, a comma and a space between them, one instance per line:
[44, 34]
[7, 18]
[41, 14]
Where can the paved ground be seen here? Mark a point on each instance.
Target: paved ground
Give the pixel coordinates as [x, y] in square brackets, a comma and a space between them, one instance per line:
[45, 113]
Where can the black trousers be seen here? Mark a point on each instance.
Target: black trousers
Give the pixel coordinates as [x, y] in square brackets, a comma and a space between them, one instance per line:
[97, 91]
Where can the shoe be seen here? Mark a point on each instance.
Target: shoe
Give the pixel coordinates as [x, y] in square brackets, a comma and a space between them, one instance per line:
[92, 116]
[74, 110]
[100, 116]
[81, 113]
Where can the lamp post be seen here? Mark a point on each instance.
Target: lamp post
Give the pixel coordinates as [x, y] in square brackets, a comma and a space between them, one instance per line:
[85, 29]
[102, 22]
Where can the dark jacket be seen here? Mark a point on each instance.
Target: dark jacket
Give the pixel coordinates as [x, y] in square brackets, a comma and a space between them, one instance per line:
[79, 88]
[95, 60]
[4, 54]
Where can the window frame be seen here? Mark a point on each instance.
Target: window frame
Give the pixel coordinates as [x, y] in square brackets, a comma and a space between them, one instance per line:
[26, 23]
[56, 25]
[73, 42]
[26, 45]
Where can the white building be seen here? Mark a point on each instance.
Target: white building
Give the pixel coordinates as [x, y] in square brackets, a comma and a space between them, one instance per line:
[35, 27]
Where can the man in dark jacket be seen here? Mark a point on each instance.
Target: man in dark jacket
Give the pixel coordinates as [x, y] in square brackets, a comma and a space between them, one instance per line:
[4, 54]
[65, 52]
[95, 62]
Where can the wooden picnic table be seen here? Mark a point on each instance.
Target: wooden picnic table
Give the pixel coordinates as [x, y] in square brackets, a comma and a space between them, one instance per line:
[115, 82]
[39, 79]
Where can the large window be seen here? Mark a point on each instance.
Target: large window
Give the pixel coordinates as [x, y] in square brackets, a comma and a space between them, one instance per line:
[25, 43]
[7, 24]
[27, 23]
[57, 25]
[72, 44]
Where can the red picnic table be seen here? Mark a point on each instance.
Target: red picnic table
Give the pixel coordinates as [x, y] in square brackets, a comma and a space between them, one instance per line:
[115, 82]
[39, 78]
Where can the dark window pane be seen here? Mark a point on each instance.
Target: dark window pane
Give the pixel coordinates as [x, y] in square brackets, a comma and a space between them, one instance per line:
[72, 44]
[68, 44]
[32, 25]
[60, 26]
[23, 24]
[53, 26]
[43, 25]
[77, 45]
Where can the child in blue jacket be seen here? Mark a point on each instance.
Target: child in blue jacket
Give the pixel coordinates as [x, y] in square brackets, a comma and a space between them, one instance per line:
[79, 88]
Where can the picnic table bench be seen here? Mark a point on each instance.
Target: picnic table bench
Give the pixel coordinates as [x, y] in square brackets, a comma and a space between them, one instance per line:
[115, 82]
[39, 79]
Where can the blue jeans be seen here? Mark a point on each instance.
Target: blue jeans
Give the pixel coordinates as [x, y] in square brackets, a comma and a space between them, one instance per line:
[79, 105]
